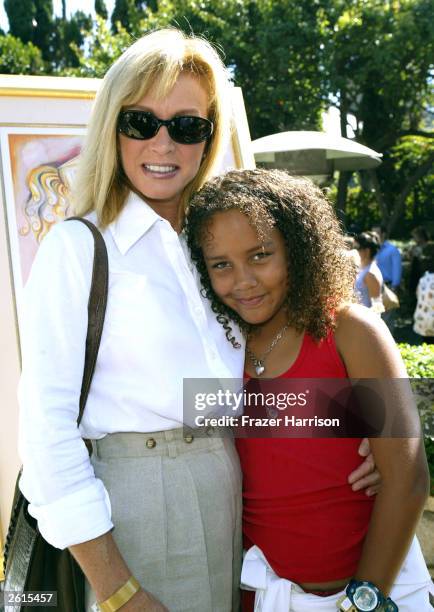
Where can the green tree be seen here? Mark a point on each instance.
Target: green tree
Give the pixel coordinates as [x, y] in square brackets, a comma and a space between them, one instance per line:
[378, 60]
[32, 21]
[22, 18]
[101, 48]
[143, 5]
[124, 13]
[277, 63]
[68, 35]
[101, 9]
[17, 57]
[44, 27]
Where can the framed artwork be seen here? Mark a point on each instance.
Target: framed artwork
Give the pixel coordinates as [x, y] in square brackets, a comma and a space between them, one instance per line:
[42, 127]
[38, 168]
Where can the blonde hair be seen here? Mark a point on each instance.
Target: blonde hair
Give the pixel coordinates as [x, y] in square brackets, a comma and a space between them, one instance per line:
[153, 62]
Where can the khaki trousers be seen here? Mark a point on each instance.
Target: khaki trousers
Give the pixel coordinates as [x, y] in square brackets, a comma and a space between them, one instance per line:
[176, 510]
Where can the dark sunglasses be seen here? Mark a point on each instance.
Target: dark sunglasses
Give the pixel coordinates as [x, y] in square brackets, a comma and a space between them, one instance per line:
[143, 125]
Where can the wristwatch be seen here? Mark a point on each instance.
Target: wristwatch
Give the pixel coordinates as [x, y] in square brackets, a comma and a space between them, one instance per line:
[364, 596]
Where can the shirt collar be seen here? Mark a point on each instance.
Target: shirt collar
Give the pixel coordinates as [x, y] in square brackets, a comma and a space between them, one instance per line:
[134, 220]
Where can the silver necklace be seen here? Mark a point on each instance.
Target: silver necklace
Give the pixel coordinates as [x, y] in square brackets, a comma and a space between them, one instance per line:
[259, 364]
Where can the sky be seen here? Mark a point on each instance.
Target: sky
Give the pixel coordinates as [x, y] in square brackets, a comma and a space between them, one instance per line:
[86, 6]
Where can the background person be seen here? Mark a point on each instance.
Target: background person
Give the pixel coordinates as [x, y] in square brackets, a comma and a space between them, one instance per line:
[271, 259]
[369, 280]
[424, 311]
[421, 239]
[389, 261]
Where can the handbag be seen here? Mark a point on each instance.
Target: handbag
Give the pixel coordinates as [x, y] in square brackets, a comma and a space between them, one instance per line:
[30, 562]
[390, 299]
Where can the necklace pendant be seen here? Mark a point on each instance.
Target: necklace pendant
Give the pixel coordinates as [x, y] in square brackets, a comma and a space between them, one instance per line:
[259, 369]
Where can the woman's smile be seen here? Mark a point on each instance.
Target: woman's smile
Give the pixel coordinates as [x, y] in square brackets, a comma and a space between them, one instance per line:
[160, 171]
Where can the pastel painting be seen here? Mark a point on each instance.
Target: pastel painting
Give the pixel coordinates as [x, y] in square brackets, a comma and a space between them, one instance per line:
[43, 168]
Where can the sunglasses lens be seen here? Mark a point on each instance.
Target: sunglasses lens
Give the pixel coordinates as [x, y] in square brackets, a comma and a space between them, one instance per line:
[138, 125]
[190, 130]
[185, 130]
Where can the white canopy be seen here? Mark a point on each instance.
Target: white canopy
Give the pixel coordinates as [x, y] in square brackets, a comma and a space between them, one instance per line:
[313, 153]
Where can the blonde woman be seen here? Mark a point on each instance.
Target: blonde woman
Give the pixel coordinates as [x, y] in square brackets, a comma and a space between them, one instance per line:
[153, 518]
[150, 502]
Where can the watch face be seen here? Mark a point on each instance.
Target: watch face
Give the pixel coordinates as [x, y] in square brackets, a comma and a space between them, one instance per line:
[365, 599]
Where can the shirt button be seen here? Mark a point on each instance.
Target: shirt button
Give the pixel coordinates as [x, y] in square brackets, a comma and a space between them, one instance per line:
[150, 443]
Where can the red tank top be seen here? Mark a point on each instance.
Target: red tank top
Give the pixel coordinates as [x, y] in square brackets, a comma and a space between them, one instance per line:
[297, 504]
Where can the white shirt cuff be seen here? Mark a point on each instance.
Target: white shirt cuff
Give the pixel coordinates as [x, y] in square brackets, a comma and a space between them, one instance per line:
[75, 518]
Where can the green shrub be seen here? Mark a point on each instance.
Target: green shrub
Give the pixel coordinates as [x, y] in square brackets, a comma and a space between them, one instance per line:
[419, 361]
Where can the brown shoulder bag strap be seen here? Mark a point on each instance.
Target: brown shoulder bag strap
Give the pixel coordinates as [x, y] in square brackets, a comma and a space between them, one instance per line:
[96, 310]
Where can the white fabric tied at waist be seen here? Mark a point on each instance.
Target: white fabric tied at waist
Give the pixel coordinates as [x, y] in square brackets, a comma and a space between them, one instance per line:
[272, 593]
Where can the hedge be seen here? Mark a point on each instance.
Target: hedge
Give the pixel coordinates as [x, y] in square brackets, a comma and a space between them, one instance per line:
[419, 361]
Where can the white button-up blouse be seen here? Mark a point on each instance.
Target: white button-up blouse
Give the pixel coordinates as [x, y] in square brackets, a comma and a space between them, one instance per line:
[158, 330]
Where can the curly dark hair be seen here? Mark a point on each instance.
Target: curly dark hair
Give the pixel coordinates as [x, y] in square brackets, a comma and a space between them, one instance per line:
[321, 275]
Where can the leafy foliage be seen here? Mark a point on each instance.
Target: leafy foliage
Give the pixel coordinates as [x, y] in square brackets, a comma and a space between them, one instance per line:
[67, 37]
[419, 361]
[101, 9]
[410, 153]
[31, 21]
[17, 57]
[21, 16]
[379, 65]
[103, 48]
[123, 13]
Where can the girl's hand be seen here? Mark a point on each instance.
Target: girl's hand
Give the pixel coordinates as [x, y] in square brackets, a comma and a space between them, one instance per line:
[366, 476]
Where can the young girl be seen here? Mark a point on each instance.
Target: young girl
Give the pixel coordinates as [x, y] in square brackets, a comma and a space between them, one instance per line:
[271, 259]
